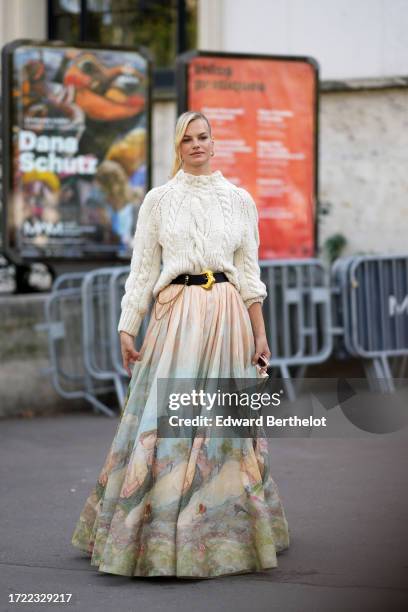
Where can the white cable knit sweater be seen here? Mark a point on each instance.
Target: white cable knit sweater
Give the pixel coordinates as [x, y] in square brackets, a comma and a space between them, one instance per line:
[192, 223]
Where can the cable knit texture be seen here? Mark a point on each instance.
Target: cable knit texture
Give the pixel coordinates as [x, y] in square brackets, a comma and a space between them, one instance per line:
[186, 225]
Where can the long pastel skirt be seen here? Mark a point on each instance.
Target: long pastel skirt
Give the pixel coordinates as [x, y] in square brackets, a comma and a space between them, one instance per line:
[199, 507]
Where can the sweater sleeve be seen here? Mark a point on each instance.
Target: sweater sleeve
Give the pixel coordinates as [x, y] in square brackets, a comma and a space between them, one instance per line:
[246, 256]
[144, 268]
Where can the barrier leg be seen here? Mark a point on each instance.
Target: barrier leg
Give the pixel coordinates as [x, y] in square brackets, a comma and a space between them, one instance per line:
[373, 373]
[388, 378]
[287, 382]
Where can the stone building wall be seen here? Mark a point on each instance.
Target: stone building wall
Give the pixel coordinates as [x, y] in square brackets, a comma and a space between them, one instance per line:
[363, 163]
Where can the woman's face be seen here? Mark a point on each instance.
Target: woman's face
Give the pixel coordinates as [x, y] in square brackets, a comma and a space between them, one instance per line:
[196, 147]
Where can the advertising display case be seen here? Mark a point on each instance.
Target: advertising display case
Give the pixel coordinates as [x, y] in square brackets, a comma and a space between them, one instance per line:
[76, 150]
[264, 116]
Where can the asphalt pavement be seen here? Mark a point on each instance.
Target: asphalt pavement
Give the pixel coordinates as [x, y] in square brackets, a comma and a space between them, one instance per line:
[345, 499]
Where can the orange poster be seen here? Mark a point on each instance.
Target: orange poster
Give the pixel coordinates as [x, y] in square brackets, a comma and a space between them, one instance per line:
[263, 115]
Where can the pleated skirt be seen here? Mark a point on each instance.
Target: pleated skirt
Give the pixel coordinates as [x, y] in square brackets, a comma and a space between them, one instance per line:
[192, 508]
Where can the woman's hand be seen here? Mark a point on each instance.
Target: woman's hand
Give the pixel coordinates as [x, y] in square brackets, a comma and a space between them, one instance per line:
[261, 348]
[129, 353]
[258, 329]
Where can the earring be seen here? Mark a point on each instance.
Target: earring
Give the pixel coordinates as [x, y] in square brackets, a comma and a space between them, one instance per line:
[212, 153]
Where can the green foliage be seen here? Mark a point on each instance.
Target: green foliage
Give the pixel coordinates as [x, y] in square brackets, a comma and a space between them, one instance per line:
[124, 22]
[333, 246]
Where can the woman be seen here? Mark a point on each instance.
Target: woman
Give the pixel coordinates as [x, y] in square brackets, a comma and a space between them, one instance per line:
[206, 506]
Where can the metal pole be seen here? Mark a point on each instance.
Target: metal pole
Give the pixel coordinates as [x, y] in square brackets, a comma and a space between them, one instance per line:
[50, 21]
[181, 26]
[83, 22]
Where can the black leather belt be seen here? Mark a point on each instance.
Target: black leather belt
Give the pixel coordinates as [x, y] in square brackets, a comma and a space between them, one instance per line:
[206, 279]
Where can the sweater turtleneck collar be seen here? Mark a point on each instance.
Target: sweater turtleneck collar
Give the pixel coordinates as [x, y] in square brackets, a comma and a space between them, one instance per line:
[200, 180]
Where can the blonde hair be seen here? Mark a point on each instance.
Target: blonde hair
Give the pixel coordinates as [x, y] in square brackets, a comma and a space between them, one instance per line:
[181, 127]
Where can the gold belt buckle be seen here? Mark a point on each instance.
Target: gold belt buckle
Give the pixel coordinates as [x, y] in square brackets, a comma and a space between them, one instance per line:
[210, 279]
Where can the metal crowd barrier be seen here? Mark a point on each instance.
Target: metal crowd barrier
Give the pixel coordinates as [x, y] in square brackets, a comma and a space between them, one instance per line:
[116, 290]
[67, 343]
[102, 291]
[358, 308]
[83, 310]
[371, 305]
[297, 313]
[81, 317]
